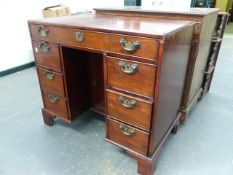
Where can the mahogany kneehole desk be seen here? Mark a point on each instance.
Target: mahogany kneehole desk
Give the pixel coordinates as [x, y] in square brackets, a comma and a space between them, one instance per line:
[130, 69]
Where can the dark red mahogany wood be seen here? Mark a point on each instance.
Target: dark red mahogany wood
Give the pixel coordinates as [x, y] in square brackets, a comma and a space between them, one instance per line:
[131, 69]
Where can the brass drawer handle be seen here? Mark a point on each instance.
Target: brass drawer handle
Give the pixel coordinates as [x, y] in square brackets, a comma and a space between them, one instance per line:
[127, 103]
[127, 68]
[127, 130]
[79, 36]
[44, 47]
[53, 99]
[42, 30]
[130, 46]
[49, 75]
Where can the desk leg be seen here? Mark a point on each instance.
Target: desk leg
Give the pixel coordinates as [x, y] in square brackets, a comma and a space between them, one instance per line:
[184, 117]
[146, 166]
[48, 117]
[192, 103]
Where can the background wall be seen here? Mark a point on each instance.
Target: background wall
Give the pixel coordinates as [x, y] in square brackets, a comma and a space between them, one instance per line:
[15, 44]
[222, 4]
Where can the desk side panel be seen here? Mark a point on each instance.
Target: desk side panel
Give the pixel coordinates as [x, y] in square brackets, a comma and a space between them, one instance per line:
[171, 79]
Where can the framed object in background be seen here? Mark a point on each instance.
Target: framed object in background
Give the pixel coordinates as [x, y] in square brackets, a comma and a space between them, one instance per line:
[132, 2]
[212, 3]
[201, 3]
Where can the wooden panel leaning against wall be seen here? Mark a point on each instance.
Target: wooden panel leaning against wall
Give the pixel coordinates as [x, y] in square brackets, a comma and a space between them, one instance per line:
[216, 42]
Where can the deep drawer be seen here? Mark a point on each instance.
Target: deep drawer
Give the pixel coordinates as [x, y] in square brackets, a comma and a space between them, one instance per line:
[56, 105]
[131, 76]
[127, 136]
[47, 55]
[51, 81]
[129, 109]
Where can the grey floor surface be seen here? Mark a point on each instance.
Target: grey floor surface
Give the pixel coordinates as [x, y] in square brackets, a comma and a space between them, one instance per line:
[203, 146]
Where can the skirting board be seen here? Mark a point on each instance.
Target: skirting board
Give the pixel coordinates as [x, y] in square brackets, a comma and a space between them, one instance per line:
[16, 69]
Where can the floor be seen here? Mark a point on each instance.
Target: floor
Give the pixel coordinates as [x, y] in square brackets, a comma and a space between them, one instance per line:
[203, 146]
[229, 30]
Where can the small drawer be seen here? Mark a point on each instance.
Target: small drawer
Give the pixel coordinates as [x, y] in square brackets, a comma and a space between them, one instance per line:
[56, 105]
[47, 55]
[129, 109]
[39, 32]
[85, 39]
[128, 137]
[51, 81]
[144, 48]
[131, 76]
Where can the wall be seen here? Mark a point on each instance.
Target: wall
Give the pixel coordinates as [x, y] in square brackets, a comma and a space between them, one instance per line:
[15, 41]
[229, 4]
[222, 4]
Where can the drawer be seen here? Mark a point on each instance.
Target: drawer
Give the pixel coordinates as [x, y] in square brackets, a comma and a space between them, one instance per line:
[47, 55]
[144, 48]
[128, 137]
[56, 105]
[40, 32]
[129, 109]
[51, 81]
[73, 37]
[131, 76]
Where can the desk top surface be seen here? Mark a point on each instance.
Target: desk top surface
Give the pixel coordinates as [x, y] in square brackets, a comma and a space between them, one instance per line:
[149, 27]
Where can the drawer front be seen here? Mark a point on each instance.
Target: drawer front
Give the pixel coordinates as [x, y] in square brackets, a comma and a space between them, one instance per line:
[51, 81]
[55, 104]
[128, 137]
[131, 76]
[47, 55]
[129, 109]
[73, 37]
[136, 46]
